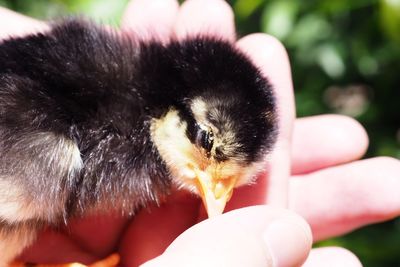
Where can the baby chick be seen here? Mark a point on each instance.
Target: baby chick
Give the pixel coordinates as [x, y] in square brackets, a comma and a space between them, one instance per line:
[92, 120]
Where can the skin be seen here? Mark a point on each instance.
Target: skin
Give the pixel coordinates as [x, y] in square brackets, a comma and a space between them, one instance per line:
[313, 169]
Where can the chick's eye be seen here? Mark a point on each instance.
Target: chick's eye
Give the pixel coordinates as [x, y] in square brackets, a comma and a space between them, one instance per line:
[205, 139]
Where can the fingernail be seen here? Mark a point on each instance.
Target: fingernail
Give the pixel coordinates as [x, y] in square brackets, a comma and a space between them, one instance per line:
[288, 242]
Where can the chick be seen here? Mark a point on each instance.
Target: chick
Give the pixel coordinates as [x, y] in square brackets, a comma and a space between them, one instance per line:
[92, 120]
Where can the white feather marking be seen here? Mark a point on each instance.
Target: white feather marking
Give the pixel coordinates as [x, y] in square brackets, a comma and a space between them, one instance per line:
[17, 204]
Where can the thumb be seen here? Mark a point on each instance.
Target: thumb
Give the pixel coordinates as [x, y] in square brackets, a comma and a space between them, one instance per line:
[253, 236]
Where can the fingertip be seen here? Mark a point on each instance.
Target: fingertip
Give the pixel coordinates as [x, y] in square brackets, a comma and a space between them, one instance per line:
[156, 262]
[371, 183]
[316, 139]
[206, 17]
[15, 25]
[358, 134]
[284, 253]
[262, 49]
[253, 236]
[268, 45]
[151, 19]
[388, 164]
[332, 256]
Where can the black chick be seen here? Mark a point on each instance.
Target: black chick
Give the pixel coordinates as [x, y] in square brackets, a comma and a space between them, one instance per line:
[92, 120]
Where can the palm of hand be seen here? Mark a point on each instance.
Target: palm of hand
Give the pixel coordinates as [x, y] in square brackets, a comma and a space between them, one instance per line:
[301, 167]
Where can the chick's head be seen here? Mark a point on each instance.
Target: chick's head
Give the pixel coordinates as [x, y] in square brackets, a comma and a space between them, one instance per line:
[220, 120]
[218, 138]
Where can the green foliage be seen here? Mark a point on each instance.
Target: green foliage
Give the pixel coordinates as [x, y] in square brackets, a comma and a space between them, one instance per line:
[376, 245]
[102, 10]
[345, 58]
[390, 18]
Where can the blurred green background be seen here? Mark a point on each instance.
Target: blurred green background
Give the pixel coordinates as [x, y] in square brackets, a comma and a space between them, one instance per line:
[345, 58]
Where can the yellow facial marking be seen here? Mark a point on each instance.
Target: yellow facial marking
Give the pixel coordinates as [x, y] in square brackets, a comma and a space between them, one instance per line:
[191, 167]
[199, 109]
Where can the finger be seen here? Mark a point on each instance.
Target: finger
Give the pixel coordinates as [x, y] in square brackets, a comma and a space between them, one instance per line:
[326, 140]
[14, 24]
[340, 199]
[97, 234]
[150, 233]
[54, 248]
[254, 236]
[271, 57]
[151, 19]
[332, 256]
[206, 17]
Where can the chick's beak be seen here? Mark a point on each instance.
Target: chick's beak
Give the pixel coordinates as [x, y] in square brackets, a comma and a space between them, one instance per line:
[215, 193]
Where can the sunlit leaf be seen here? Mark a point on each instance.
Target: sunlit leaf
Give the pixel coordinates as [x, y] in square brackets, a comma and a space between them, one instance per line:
[340, 6]
[244, 8]
[278, 18]
[390, 18]
[309, 29]
[101, 10]
[330, 60]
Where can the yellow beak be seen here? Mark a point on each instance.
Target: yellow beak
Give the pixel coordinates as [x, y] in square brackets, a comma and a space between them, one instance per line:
[215, 193]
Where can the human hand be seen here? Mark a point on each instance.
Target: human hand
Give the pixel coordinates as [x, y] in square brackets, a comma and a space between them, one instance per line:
[149, 234]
